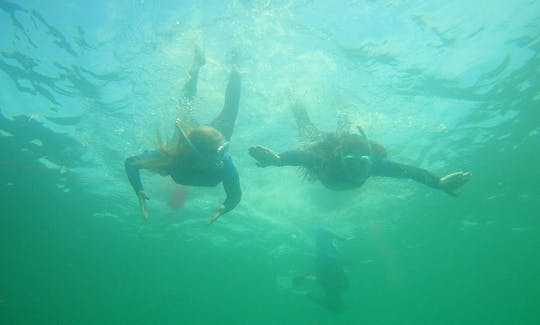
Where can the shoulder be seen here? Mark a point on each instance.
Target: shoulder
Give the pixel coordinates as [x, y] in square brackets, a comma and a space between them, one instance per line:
[378, 151]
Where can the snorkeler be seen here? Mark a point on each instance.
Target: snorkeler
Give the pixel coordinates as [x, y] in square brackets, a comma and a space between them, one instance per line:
[345, 161]
[329, 271]
[198, 155]
[328, 281]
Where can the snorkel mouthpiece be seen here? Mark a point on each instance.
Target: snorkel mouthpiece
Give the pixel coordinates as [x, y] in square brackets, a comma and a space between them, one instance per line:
[357, 167]
[362, 133]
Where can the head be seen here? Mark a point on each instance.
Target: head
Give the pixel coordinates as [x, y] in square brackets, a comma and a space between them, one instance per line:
[205, 145]
[355, 156]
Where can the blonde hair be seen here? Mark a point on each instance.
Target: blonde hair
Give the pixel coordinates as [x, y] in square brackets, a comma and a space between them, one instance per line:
[205, 139]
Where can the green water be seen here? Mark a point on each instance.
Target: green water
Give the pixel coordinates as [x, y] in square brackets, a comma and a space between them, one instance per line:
[446, 86]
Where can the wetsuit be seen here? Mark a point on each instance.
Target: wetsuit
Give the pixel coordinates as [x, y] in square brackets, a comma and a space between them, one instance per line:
[330, 272]
[332, 175]
[187, 175]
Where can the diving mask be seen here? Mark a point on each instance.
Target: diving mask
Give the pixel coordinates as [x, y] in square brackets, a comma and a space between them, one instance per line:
[357, 167]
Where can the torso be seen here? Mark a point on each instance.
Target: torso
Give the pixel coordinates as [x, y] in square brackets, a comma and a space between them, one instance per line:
[190, 176]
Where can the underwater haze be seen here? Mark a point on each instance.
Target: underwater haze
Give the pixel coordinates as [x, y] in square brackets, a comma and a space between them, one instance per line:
[445, 85]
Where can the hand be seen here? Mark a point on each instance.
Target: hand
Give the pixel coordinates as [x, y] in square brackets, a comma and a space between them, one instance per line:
[142, 196]
[452, 182]
[216, 215]
[264, 156]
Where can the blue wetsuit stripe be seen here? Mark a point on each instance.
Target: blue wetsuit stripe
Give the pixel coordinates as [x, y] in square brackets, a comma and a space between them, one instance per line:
[231, 184]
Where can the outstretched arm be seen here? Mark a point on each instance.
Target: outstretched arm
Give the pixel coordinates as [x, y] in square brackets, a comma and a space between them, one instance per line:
[266, 157]
[231, 185]
[133, 165]
[450, 183]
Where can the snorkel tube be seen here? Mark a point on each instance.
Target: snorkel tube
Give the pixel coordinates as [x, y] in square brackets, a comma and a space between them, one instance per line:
[221, 152]
[362, 133]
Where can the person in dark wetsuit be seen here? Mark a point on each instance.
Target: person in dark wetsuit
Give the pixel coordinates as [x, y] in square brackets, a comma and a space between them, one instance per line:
[329, 271]
[198, 155]
[329, 276]
[345, 161]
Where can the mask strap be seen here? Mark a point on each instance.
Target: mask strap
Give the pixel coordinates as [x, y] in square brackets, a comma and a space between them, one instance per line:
[363, 135]
[221, 151]
[186, 139]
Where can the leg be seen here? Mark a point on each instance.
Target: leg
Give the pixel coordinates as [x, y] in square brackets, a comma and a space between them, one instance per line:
[189, 91]
[224, 122]
[190, 88]
[308, 131]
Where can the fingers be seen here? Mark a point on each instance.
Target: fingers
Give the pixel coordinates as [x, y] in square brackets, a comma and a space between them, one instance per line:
[258, 153]
[457, 177]
[452, 183]
[144, 213]
[253, 151]
[256, 149]
[462, 177]
[215, 217]
[143, 195]
[143, 210]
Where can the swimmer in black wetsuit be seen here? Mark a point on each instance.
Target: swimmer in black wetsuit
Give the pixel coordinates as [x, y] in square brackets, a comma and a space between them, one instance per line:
[329, 271]
[199, 154]
[326, 285]
[345, 161]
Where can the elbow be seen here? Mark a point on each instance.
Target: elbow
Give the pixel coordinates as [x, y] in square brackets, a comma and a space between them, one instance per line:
[129, 162]
[233, 201]
[236, 200]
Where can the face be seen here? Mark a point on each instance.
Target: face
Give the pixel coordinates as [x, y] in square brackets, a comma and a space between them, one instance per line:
[357, 167]
[215, 159]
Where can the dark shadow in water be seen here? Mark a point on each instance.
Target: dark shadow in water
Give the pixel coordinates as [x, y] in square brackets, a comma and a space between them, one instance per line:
[329, 271]
[326, 285]
[12, 9]
[24, 68]
[31, 141]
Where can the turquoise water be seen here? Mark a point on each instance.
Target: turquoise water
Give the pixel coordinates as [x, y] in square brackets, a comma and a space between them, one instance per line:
[444, 85]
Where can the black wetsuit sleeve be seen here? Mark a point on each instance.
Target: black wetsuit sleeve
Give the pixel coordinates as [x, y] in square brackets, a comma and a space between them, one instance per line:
[299, 158]
[231, 185]
[133, 166]
[388, 168]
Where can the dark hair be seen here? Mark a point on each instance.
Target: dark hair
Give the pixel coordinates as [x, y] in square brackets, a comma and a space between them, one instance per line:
[354, 144]
[347, 143]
